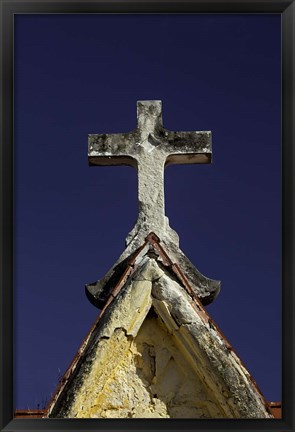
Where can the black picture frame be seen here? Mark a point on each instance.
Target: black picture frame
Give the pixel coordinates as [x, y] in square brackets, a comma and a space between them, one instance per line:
[8, 9]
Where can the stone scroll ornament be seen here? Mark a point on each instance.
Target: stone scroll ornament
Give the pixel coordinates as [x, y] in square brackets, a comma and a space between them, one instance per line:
[149, 148]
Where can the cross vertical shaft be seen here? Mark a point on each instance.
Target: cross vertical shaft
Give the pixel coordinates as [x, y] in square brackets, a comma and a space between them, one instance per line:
[151, 191]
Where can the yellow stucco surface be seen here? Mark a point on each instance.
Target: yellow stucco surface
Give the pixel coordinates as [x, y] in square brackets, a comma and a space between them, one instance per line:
[142, 377]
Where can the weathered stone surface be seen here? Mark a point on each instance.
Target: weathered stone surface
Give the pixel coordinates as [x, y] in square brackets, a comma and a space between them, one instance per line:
[149, 148]
[156, 354]
[149, 379]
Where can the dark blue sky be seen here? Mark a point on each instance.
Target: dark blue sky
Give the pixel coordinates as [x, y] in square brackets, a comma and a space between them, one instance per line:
[80, 74]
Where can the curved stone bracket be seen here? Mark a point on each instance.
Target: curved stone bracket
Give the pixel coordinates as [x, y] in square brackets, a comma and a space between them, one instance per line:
[169, 255]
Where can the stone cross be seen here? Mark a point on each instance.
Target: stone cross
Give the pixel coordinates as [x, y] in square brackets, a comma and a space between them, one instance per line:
[149, 148]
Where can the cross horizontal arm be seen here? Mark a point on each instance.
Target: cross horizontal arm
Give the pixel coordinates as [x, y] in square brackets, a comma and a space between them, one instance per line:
[112, 149]
[188, 147]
